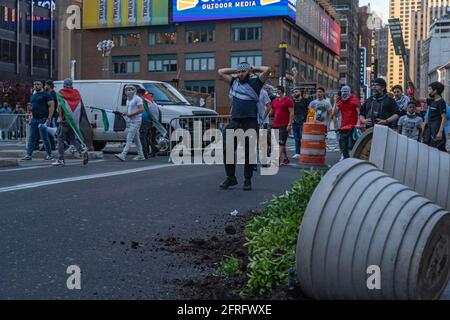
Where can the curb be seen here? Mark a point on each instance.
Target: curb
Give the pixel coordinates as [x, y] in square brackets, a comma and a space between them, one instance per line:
[8, 163]
[95, 155]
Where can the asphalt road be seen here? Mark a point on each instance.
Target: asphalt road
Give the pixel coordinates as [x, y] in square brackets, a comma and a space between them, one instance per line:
[92, 216]
[107, 219]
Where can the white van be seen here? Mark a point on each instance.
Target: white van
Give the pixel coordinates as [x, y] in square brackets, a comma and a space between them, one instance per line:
[110, 95]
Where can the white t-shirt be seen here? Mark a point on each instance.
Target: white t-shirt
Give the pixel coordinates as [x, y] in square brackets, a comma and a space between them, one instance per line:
[322, 107]
[133, 106]
[264, 100]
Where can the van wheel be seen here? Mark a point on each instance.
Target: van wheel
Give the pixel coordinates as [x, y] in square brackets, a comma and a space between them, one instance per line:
[99, 145]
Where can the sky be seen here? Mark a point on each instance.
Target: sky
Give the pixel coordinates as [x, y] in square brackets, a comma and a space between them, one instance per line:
[380, 6]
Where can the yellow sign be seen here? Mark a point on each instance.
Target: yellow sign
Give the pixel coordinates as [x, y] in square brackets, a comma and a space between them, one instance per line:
[125, 13]
[186, 4]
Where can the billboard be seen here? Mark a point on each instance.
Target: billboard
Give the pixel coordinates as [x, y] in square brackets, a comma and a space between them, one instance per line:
[397, 37]
[204, 10]
[315, 21]
[124, 13]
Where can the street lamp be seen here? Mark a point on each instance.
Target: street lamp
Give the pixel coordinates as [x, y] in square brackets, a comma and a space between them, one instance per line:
[105, 48]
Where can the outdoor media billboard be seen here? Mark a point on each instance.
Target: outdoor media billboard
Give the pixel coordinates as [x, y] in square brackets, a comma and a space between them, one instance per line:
[124, 13]
[204, 10]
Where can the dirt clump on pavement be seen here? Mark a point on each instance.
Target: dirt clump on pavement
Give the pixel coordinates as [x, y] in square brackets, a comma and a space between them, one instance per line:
[209, 253]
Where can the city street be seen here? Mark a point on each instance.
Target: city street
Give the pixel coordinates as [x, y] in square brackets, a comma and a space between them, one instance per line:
[106, 218]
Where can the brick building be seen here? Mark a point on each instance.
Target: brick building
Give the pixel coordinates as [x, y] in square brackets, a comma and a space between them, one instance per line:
[189, 54]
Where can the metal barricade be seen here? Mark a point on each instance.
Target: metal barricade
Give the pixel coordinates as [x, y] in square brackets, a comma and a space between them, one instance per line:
[188, 123]
[13, 127]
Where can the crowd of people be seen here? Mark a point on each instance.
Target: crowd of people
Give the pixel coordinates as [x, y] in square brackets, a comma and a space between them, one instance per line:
[253, 106]
[423, 119]
[50, 123]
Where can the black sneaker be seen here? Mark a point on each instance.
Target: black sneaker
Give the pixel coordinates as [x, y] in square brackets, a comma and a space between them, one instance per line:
[229, 182]
[247, 185]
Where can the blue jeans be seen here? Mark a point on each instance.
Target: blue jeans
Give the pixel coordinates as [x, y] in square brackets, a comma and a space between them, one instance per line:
[34, 132]
[298, 131]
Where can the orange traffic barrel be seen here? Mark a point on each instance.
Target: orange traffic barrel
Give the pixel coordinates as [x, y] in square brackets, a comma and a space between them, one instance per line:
[313, 144]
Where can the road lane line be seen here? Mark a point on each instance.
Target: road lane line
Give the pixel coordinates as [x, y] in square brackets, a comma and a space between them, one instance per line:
[81, 178]
[48, 165]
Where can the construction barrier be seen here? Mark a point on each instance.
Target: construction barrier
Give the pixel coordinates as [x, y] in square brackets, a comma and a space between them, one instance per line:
[360, 221]
[313, 148]
[424, 169]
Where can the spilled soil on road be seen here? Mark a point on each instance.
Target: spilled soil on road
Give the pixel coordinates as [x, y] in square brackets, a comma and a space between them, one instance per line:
[208, 253]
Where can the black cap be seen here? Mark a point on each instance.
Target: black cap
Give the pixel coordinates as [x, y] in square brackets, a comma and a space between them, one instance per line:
[380, 81]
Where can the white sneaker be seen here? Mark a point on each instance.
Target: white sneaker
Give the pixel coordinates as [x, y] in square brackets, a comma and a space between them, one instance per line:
[139, 158]
[296, 156]
[120, 156]
[59, 163]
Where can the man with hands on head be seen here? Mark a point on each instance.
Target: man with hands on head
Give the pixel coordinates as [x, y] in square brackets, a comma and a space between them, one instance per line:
[244, 92]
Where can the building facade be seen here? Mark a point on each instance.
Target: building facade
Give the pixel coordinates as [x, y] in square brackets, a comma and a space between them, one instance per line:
[28, 42]
[189, 54]
[381, 45]
[421, 21]
[441, 74]
[401, 9]
[347, 11]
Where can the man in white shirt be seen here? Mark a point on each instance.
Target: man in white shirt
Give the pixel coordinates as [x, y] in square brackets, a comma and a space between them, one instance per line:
[135, 107]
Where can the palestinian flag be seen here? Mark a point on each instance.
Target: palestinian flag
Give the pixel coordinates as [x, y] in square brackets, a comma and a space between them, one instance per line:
[75, 115]
[112, 120]
[147, 103]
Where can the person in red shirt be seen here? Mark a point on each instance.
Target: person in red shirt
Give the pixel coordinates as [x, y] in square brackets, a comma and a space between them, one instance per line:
[283, 111]
[348, 106]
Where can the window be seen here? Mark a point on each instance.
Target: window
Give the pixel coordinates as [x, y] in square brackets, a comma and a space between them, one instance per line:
[303, 70]
[129, 39]
[8, 51]
[200, 61]
[126, 64]
[246, 32]
[200, 34]
[295, 42]
[162, 36]
[206, 86]
[162, 63]
[295, 65]
[288, 62]
[253, 58]
[41, 57]
[41, 26]
[311, 73]
[343, 45]
[287, 36]
[8, 18]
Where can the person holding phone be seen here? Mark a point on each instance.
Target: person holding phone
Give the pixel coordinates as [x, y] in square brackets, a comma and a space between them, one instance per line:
[379, 108]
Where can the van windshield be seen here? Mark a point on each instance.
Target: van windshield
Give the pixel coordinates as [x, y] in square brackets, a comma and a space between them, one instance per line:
[165, 94]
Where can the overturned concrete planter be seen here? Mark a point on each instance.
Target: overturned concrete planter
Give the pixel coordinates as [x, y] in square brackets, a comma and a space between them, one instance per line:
[424, 169]
[359, 217]
[361, 149]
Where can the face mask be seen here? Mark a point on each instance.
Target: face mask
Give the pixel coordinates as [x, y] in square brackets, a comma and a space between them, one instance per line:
[130, 95]
[411, 114]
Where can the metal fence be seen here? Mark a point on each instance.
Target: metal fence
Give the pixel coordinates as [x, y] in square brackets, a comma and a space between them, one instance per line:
[189, 123]
[13, 127]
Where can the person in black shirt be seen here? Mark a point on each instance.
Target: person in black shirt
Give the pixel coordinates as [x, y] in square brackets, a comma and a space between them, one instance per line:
[379, 108]
[435, 123]
[50, 88]
[301, 104]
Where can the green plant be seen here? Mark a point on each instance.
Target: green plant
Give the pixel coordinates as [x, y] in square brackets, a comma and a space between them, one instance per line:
[272, 236]
[229, 267]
